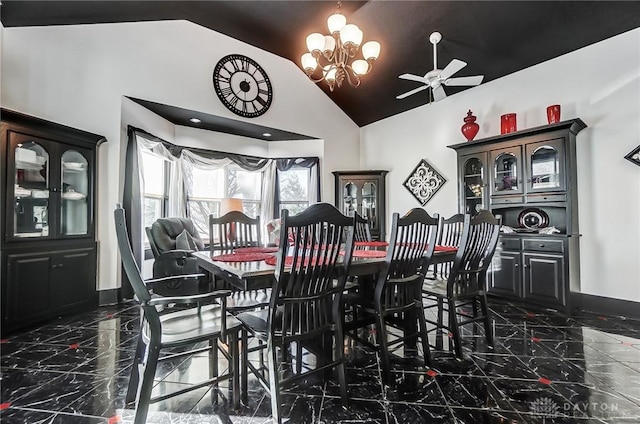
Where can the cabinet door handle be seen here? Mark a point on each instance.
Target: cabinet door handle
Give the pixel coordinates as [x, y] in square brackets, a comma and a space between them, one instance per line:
[526, 266]
[541, 245]
[516, 266]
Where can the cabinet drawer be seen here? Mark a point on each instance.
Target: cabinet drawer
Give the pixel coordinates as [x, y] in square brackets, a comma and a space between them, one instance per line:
[509, 243]
[539, 198]
[543, 245]
[506, 200]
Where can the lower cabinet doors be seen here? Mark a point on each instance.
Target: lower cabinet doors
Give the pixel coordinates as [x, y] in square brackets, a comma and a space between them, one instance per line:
[544, 278]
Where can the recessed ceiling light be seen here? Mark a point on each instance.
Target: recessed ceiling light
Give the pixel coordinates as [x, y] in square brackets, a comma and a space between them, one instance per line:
[195, 120]
[266, 134]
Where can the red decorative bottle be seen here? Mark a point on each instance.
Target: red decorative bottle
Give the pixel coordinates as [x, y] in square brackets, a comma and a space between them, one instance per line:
[470, 128]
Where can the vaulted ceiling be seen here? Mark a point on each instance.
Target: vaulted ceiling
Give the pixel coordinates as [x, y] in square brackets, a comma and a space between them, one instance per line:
[495, 38]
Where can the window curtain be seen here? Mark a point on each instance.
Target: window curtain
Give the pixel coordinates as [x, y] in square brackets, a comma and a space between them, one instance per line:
[314, 178]
[211, 161]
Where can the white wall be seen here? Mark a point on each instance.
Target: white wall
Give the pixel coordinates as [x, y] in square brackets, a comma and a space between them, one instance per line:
[599, 84]
[77, 75]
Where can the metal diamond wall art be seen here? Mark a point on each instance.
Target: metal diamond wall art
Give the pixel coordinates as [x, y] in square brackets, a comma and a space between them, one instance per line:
[424, 182]
[634, 156]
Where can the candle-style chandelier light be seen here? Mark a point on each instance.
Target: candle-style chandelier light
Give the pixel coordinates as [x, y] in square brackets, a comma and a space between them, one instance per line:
[335, 53]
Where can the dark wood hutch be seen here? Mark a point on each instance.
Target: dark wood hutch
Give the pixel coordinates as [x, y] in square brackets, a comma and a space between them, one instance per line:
[529, 178]
[48, 247]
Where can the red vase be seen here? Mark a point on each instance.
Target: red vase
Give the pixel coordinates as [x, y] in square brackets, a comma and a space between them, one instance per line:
[553, 114]
[508, 123]
[470, 128]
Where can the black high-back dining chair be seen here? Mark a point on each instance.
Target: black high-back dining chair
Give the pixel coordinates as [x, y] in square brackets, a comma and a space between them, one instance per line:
[362, 231]
[306, 301]
[175, 330]
[233, 230]
[397, 297]
[466, 282]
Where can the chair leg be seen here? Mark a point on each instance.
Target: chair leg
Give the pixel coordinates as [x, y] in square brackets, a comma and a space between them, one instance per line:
[142, 403]
[213, 364]
[423, 336]
[134, 379]
[244, 365]
[454, 328]
[274, 383]
[235, 369]
[298, 357]
[339, 354]
[440, 325]
[381, 332]
[487, 320]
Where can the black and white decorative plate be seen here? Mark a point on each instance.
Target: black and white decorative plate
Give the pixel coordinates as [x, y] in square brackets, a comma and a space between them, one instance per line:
[533, 218]
[424, 182]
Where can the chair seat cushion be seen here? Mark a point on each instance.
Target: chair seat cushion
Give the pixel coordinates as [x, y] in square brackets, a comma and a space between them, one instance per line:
[256, 321]
[194, 324]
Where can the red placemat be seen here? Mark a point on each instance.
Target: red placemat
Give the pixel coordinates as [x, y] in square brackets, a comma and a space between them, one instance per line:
[371, 244]
[288, 261]
[368, 253]
[241, 257]
[255, 250]
[445, 249]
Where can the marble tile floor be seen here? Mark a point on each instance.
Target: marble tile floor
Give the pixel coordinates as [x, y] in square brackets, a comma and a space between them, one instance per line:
[545, 368]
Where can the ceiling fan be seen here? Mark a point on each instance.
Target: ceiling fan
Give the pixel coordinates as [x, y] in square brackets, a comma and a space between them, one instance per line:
[437, 78]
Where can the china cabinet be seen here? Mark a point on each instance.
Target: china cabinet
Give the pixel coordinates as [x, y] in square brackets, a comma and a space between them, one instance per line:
[363, 192]
[48, 246]
[529, 178]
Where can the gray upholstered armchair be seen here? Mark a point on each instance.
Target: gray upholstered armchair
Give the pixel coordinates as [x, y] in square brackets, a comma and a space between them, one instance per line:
[172, 240]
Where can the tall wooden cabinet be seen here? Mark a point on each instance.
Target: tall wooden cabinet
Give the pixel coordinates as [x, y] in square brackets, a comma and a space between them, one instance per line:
[48, 246]
[529, 178]
[363, 192]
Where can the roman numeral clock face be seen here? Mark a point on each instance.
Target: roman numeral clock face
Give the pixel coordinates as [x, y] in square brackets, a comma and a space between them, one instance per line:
[242, 85]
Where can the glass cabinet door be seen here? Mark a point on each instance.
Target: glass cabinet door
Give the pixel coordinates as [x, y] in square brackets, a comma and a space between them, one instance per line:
[368, 210]
[350, 198]
[545, 166]
[506, 173]
[31, 184]
[473, 182]
[74, 191]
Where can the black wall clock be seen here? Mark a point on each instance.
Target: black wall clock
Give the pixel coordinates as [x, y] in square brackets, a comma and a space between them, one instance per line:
[242, 85]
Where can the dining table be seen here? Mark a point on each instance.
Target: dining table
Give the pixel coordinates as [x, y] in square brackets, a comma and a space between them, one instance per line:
[256, 274]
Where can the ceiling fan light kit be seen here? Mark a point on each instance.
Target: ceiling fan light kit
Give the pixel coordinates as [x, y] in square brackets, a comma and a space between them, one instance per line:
[332, 53]
[436, 79]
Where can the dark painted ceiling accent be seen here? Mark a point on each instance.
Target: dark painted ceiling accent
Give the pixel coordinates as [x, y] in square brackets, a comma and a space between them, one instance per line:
[495, 38]
[180, 116]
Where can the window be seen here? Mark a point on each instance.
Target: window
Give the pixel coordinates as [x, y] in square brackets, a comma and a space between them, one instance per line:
[155, 173]
[208, 187]
[294, 189]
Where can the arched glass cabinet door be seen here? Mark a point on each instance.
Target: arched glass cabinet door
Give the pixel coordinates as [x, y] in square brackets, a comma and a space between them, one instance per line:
[545, 165]
[350, 195]
[74, 212]
[369, 206]
[473, 184]
[31, 185]
[506, 174]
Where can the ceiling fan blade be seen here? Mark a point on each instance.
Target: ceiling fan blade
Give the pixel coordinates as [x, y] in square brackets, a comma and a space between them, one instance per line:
[412, 77]
[454, 66]
[475, 80]
[414, 91]
[438, 93]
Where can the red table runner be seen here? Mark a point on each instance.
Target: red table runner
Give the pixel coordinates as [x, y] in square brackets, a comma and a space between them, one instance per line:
[242, 257]
[371, 244]
[255, 250]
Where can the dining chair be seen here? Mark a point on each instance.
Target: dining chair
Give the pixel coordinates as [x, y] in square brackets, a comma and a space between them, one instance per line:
[235, 230]
[396, 298]
[449, 235]
[173, 330]
[362, 229]
[306, 302]
[466, 282]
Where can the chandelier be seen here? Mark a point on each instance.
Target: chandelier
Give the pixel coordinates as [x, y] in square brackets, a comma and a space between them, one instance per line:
[333, 53]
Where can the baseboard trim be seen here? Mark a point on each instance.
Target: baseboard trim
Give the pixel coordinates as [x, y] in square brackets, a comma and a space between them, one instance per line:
[108, 297]
[605, 305]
